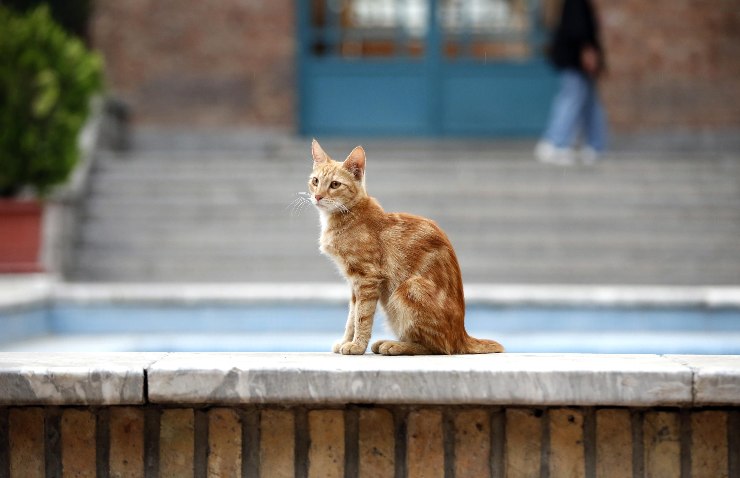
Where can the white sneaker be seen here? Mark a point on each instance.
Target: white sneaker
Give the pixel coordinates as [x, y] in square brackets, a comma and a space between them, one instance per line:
[589, 155]
[547, 153]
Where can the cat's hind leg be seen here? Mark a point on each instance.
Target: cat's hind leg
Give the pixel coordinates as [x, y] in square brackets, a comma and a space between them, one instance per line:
[421, 315]
[395, 347]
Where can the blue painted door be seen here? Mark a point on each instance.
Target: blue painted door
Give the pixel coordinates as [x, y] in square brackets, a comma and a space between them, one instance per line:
[422, 67]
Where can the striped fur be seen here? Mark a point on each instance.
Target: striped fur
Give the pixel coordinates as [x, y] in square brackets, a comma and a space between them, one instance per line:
[404, 262]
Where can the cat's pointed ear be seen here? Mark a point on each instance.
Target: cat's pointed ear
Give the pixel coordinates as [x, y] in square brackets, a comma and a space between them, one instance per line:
[318, 154]
[355, 163]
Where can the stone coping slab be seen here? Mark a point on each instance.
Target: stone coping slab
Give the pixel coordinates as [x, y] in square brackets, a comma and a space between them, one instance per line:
[325, 378]
[74, 379]
[557, 379]
[715, 377]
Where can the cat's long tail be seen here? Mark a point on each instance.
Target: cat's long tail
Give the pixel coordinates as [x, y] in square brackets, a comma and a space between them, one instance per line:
[483, 346]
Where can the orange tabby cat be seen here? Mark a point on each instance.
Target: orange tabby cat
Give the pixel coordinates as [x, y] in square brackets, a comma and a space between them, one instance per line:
[405, 262]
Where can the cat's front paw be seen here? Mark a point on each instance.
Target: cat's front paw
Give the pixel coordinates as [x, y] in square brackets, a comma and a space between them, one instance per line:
[352, 348]
[376, 346]
[337, 347]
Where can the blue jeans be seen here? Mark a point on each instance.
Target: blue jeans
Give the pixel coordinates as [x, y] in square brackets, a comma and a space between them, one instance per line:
[576, 109]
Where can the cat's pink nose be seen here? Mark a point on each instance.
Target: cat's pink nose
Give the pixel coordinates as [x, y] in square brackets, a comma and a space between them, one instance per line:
[318, 197]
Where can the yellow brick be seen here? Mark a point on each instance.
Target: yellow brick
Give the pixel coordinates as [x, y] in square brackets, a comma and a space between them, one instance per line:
[425, 448]
[472, 444]
[377, 453]
[78, 444]
[709, 445]
[567, 455]
[523, 443]
[176, 443]
[26, 427]
[277, 444]
[126, 442]
[613, 444]
[326, 455]
[661, 433]
[224, 443]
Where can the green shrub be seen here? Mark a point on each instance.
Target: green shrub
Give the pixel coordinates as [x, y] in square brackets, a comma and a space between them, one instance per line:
[46, 80]
[72, 15]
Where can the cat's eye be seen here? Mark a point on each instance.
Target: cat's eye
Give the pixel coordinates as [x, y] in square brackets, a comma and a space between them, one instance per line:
[335, 184]
[315, 181]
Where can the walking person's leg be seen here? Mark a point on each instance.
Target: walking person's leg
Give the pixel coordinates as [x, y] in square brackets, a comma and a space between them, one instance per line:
[595, 126]
[565, 119]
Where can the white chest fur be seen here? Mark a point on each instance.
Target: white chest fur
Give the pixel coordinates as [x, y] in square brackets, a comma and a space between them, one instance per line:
[324, 221]
[323, 238]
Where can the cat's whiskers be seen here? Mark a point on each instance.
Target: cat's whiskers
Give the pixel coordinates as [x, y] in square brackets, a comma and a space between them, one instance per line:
[295, 207]
[335, 205]
[299, 204]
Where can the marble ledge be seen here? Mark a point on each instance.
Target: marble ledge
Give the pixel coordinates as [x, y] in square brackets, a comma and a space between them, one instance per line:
[716, 377]
[502, 379]
[74, 378]
[324, 378]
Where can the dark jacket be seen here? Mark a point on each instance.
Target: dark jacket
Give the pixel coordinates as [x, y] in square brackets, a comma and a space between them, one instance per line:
[577, 29]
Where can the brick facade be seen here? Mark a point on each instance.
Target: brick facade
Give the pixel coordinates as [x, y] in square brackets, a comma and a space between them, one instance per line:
[406, 441]
[674, 65]
[225, 64]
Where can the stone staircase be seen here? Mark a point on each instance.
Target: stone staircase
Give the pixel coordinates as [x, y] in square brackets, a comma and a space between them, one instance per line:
[184, 210]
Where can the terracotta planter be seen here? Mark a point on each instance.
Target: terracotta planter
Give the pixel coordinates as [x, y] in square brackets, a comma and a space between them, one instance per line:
[20, 236]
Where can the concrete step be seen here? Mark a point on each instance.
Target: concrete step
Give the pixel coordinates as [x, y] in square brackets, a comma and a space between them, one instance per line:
[182, 210]
[541, 261]
[379, 185]
[499, 270]
[278, 234]
[184, 166]
[93, 266]
[412, 201]
[505, 237]
[514, 168]
[524, 243]
[515, 213]
[502, 188]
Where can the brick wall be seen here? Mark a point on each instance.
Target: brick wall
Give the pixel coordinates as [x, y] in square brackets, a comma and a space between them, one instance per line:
[368, 441]
[673, 64]
[225, 63]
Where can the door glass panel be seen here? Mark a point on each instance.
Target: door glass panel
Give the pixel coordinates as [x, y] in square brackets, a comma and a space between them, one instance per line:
[486, 30]
[369, 28]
